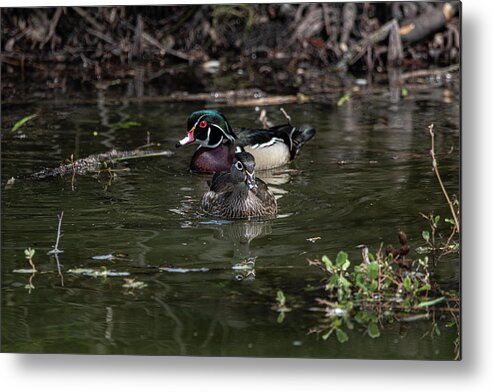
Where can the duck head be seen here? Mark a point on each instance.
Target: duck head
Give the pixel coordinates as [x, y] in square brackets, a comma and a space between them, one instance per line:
[243, 170]
[209, 128]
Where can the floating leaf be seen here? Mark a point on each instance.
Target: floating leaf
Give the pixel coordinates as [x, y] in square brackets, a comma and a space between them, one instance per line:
[373, 331]
[432, 302]
[341, 336]
[24, 271]
[22, 121]
[183, 270]
[127, 124]
[343, 99]
[134, 284]
[96, 273]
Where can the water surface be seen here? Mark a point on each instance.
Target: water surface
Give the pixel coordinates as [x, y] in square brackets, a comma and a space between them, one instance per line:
[365, 176]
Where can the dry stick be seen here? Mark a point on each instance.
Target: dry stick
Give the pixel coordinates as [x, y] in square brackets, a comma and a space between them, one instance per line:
[55, 251]
[288, 117]
[60, 217]
[429, 72]
[435, 168]
[59, 269]
[53, 25]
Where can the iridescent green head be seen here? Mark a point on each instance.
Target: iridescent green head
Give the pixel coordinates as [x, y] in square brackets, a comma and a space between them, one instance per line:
[209, 128]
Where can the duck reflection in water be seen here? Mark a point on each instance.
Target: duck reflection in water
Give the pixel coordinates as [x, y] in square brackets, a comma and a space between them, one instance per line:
[241, 233]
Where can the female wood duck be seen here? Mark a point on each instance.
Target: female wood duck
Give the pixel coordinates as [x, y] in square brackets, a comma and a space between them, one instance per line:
[218, 143]
[237, 193]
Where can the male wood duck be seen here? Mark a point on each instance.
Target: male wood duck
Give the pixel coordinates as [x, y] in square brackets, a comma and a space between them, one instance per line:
[237, 193]
[218, 142]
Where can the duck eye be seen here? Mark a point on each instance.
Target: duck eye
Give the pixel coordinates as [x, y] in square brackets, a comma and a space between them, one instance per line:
[203, 124]
[239, 165]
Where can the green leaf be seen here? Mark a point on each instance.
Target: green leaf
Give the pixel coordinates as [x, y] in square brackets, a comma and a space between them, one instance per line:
[127, 124]
[344, 282]
[432, 302]
[371, 257]
[373, 331]
[361, 317]
[450, 221]
[343, 99]
[427, 286]
[436, 219]
[327, 335]
[407, 283]
[281, 298]
[328, 263]
[346, 265]
[373, 285]
[280, 318]
[22, 121]
[29, 252]
[373, 269]
[426, 235]
[341, 258]
[404, 92]
[341, 336]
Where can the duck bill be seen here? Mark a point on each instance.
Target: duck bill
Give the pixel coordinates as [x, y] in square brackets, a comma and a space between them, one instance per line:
[190, 138]
[250, 180]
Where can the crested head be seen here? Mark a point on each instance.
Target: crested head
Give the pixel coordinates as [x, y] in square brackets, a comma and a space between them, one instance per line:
[243, 169]
[209, 128]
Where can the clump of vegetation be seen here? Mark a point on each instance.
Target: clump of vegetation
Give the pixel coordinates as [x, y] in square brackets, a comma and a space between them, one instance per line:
[377, 290]
[392, 286]
[280, 306]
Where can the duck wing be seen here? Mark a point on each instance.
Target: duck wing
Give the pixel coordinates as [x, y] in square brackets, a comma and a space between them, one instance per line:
[220, 182]
[293, 137]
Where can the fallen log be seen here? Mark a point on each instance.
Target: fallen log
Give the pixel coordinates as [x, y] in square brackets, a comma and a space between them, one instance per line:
[95, 163]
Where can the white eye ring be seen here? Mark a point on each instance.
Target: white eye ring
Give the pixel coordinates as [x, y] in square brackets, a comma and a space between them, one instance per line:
[239, 165]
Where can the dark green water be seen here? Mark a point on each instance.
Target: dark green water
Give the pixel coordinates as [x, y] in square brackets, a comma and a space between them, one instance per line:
[152, 213]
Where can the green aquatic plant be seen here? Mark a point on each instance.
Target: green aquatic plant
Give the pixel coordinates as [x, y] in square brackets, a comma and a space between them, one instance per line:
[22, 121]
[280, 306]
[377, 290]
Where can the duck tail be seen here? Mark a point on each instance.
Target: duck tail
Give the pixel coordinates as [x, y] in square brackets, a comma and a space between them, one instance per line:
[299, 137]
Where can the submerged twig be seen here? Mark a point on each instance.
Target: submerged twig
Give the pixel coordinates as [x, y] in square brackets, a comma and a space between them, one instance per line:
[59, 268]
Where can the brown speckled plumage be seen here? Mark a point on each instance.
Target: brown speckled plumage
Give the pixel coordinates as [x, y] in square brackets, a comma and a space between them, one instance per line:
[238, 194]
